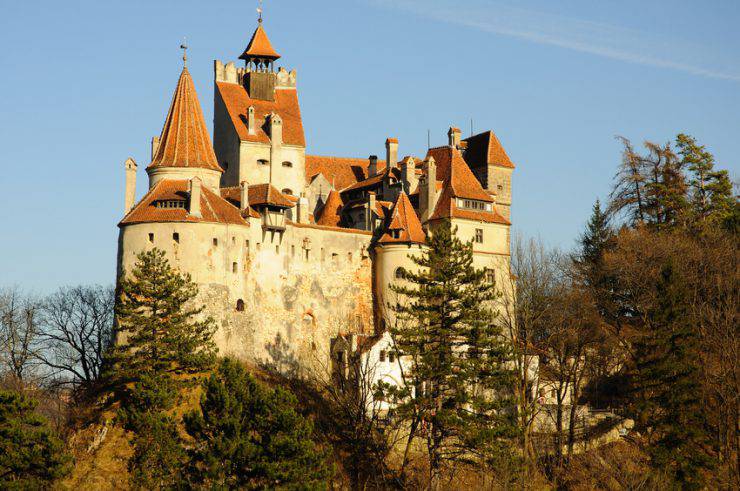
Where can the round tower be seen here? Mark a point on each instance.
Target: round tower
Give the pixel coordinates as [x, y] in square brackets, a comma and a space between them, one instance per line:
[402, 238]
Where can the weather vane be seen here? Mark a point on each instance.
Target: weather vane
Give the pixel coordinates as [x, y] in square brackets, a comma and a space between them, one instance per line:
[259, 11]
[184, 48]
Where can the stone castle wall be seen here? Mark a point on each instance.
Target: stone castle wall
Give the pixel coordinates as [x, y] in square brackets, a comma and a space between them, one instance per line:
[298, 290]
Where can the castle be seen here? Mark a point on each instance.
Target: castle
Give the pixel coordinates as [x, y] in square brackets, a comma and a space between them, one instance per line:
[294, 253]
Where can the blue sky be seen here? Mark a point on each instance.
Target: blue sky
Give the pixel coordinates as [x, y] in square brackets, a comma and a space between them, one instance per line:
[86, 84]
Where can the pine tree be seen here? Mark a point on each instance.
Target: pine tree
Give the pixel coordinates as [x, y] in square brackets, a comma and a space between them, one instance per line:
[666, 385]
[159, 330]
[31, 455]
[248, 436]
[446, 327]
[710, 190]
[159, 455]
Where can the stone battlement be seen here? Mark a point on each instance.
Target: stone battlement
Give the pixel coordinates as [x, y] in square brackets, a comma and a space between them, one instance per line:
[232, 74]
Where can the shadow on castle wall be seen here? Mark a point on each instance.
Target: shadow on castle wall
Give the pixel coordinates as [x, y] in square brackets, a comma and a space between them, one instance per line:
[281, 358]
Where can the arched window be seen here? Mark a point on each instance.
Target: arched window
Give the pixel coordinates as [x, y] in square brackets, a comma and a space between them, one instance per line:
[240, 305]
[398, 273]
[287, 164]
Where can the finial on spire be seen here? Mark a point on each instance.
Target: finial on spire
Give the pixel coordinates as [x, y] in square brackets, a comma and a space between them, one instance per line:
[259, 11]
[184, 48]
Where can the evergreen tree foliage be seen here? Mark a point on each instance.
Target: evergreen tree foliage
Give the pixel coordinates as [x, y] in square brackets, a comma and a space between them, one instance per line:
[666, 385]
[159, 456]
[710, 192]
[594, 243]
[446, 327]
[159, 330]
[31, 455]
[249, 436]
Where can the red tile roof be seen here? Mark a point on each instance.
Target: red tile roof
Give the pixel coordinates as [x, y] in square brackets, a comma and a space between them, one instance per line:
[237, 102]
[184, 141]
[447, 208]
[213, 207]
[331, 213]
[342, 171]
[455, 174]
[485, 148]
[267, 194]
[259, 46]
[403, 218]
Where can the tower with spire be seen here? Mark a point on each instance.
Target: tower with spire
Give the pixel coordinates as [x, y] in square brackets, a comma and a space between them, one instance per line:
[292, 252]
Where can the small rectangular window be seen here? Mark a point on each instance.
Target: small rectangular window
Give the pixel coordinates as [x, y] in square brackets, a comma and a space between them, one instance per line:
[233, 240]
[391, 357]
[334, 256]
[292, 251]
[246, 245]
[151, 238]
[382, 355]
[215, 242]
[176, 237]
[479, 235]
[322, 254]
[259, 246]
[234, 267]
[277, 249]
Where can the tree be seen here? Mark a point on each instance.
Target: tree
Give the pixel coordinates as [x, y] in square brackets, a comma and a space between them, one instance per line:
[159, 456]
[159, 330]
[710, 190]
[76, 332]
[665, 381]
[31, 455]
[650, 188]
[249, 436]
[460, 362]
[19, 333]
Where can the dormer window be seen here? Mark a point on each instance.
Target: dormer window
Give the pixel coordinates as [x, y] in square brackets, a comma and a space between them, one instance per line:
[396, 234]
[287, 190]
[287, 164]
[473, 204]
[263, 162]
[170, 203]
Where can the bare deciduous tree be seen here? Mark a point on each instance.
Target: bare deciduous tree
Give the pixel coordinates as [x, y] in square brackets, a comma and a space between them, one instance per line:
[76, 330]
[18, 333]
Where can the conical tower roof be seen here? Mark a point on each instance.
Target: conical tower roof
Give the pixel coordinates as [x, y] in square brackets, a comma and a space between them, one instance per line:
[259, 46]
[404, 222]
[185, 141]
[331, 213]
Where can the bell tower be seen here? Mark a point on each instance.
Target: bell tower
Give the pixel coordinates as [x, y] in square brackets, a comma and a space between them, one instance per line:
[259, 59]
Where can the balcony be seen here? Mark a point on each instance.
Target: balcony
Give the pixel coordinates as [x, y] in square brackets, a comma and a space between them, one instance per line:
[273, 220]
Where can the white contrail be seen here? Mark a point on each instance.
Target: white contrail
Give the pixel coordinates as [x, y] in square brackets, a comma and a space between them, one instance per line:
[595, 38]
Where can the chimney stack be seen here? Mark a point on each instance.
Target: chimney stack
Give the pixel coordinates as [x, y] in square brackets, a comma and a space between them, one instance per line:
[302, 211]
[391, 152]
[155, 146]
[371, 203]
[453, 136]
[428, 191]
[408, 174]
[372, 167]
[244, 197]
[130, 193]
[195, 191]
[251, 129]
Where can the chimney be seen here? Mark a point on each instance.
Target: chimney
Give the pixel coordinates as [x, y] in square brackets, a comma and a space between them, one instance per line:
[130, 193]
[302, 211]
[276, 142]
[195, 190]
[453, 136]
[391, 152]
[251, 129]
[428, 192]
[370, 211]
[244, 197]
[372, 167]
[155, 146]
[408, 174]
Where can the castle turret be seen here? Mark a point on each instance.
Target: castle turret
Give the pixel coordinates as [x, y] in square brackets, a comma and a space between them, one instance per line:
[184, 150]
[402, 235]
